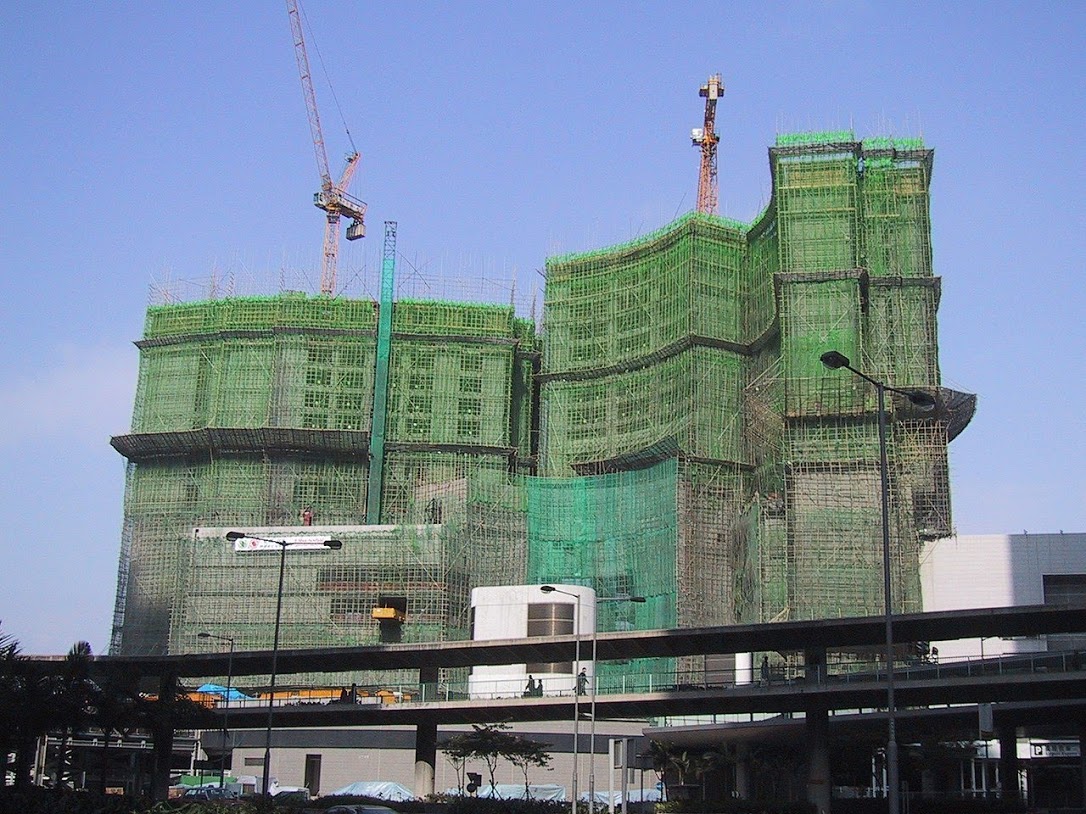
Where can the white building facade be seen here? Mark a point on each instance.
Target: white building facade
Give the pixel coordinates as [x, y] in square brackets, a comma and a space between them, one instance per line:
[524, 611]
[1003, 570]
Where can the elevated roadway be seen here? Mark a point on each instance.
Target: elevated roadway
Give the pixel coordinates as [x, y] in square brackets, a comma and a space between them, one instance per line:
[427, 657]
[1046, 678]
[1033, 685]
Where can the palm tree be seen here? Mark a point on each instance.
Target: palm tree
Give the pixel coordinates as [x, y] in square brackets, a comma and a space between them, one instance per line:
[32, 701]
[117, 706]
[113, 710]
[708, 764]
[24, 710]
[670, 761]
[76, 701]
[35, 701]
[160, 716]
[11, 682]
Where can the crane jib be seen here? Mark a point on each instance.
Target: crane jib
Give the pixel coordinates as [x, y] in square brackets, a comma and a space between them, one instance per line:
[332, 198]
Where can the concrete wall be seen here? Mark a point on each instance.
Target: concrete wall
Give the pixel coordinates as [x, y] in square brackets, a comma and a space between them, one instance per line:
[361, 754]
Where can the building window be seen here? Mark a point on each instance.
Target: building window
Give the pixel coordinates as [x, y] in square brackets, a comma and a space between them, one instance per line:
[550, 619]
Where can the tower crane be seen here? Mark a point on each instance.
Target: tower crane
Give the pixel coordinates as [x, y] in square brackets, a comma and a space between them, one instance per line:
[706, 138]
[332, 197]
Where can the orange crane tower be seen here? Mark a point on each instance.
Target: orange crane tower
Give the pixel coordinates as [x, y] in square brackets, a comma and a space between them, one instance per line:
[706, 138]
[333, 197]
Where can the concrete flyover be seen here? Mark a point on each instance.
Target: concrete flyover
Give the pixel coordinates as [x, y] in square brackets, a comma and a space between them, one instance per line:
[1047, 677]
[1032, 620]
[1036, 682]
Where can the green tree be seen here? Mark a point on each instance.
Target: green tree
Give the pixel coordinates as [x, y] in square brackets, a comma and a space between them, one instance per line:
[677, 768]
[118, 708]
[36, 700]
[709, 764]
[776, 770]
[669, 760]
[486, 742]
[525, 753]
[458, 762]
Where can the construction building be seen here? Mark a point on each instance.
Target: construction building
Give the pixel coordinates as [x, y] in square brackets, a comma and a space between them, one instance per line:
[666, 430]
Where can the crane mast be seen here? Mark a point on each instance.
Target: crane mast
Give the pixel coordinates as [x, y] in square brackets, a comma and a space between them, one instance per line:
[706, 138]
[332, 197]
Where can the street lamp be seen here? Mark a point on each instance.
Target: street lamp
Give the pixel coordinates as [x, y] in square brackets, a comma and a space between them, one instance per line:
[550, 589]
[595, 687]
[925, 402]
[283, 545]
[226, 709]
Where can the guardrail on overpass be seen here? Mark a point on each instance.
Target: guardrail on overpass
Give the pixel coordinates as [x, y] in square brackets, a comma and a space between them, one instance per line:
[1034, 677]
[1033, 620]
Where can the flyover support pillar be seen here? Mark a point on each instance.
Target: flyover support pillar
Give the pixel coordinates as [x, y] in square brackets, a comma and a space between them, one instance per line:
[1082, 759]
[817, 731]
[426, 738]
[742, 772]
[1008, 763]
[425, 759]
[162, 735]
[818, 758]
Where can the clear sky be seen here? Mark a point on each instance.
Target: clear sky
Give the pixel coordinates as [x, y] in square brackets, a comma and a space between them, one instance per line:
[152, 145]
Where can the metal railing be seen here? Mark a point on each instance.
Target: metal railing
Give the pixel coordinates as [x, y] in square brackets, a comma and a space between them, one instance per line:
[851, 672]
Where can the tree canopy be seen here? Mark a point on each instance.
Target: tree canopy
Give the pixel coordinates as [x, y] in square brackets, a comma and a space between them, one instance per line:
[491, 743]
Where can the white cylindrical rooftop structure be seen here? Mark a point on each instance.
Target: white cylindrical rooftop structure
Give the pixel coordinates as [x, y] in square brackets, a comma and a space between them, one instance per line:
[524, 611]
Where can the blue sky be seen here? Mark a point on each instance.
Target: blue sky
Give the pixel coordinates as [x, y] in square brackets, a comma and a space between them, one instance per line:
[152, 146]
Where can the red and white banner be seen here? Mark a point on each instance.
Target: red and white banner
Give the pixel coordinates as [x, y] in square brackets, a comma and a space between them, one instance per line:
[310, 542]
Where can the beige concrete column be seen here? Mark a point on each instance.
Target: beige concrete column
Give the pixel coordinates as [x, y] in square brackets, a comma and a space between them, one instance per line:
[426, 739]
[816, 733]
[425, 759]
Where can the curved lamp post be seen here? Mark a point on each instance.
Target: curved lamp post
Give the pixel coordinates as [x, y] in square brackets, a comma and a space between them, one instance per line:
[550, 589]
[308, 542]
[926, 402]
[595, 688]
[226, 708]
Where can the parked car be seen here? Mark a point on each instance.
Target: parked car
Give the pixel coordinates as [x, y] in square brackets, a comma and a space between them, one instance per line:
[360, 808]
[292, 794]
[208, 793]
